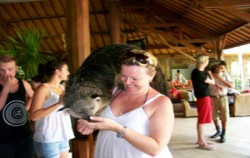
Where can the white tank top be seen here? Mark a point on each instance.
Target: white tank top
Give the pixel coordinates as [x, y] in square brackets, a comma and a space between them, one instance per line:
[109, 146]
[54, 127]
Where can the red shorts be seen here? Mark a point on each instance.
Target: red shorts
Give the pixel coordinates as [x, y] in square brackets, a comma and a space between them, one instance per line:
[204, 106]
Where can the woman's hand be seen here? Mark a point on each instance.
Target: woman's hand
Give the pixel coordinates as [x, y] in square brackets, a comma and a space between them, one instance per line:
[87, 127]
[83, 128]
[218, 86]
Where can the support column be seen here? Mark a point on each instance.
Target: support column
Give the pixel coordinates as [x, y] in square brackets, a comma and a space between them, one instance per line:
[115, 21]
[78, 32]
[78, 47]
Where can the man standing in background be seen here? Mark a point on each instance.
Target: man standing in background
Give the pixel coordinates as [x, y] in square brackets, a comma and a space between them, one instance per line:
[220, 100]
[15, 99]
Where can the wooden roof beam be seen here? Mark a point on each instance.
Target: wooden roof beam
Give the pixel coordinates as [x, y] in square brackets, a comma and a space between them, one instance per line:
[47, 17]
[238, 13]
[159, 24]
[162, 46]
[166, 35]
[198, 40]
[176, 49]
[152, 34]
[158, 10]
[208, 4]
[234, 27]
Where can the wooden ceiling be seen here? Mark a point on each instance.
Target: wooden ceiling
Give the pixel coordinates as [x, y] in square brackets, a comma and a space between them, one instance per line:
[168, 27]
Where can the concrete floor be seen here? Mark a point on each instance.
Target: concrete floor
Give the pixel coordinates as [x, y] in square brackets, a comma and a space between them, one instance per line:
[183, 141]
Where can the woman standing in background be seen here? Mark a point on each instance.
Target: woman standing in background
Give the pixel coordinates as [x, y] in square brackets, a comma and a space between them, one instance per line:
[53, 128]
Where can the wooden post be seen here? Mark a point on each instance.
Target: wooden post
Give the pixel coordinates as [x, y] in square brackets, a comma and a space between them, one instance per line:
[115, 21]
[83, 145]
[78, 46]
[78, 32]
[80, 148]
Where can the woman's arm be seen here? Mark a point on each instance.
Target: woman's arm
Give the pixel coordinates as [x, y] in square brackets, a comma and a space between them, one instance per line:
[210, 79]
[40, 96]
[161, 124]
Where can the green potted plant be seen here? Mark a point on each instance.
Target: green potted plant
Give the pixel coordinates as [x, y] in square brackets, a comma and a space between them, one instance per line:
[25, 47]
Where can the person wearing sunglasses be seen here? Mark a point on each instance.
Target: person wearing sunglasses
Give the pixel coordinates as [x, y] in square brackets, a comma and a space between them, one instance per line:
[138, 122]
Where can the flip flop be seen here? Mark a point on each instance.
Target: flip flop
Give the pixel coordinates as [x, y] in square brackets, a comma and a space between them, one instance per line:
[207, 142]
[206, 147]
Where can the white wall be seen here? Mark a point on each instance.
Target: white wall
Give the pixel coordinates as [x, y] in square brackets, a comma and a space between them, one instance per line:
[185, 72]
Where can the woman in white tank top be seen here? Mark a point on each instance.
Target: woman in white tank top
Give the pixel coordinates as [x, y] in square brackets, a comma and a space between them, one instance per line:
[139, 121]
[53, 128]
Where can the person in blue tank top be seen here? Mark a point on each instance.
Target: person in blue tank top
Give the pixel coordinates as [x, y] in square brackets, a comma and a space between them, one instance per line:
[15, 100]
[138, 122]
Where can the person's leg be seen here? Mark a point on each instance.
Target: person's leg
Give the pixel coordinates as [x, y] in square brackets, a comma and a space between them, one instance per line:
[25, 148]
[7, 150]
[223, 134]
[201, 140]
[215, 103]
[218, 130]
[64, 149]
[225, 115]
[204, 116]
[44, 150]
[203, 144]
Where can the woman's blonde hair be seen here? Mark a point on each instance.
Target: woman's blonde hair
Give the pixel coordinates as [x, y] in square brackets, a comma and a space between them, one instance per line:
[201, 59]
[141, 58]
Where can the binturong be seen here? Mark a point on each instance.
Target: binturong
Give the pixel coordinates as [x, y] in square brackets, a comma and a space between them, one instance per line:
[89, 90]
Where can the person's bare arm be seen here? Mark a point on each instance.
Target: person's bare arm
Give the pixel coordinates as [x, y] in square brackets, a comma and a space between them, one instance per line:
[29, 94]
[7, 83]
[226, 83]
[36, 111]
[161, 125]
[210, 79]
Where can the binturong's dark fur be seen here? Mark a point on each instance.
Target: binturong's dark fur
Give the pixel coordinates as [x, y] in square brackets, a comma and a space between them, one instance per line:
[89, 90]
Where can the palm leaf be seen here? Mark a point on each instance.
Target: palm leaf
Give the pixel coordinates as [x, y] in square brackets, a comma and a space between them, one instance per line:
[26, 49]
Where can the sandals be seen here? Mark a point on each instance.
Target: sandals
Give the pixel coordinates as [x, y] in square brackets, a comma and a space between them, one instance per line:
[207, 142]
[206, 146]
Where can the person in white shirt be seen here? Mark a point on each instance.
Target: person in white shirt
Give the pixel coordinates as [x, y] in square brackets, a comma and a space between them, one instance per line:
[138, 122]
[220, 101]
[179, 78]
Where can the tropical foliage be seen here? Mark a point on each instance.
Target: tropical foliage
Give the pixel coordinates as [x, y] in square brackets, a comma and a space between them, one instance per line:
[25, 47]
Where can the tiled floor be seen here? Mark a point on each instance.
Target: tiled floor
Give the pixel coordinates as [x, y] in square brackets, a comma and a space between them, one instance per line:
[183, 141]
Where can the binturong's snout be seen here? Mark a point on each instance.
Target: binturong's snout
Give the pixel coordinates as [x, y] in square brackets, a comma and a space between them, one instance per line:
[84, 108]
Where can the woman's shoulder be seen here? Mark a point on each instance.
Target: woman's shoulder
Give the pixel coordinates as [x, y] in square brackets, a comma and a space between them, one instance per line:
[154, 93]
[160, 104]
[160, 98]
[43, 88]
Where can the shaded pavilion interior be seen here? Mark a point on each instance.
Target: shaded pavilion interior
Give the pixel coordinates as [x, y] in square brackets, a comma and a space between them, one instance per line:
[173, 30]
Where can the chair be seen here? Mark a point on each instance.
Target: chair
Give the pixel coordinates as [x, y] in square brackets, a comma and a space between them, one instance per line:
[241, 106]
[189, 111]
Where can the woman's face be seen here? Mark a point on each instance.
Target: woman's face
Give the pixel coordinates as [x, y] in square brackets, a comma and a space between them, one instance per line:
[135, 78]
[64, 72]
